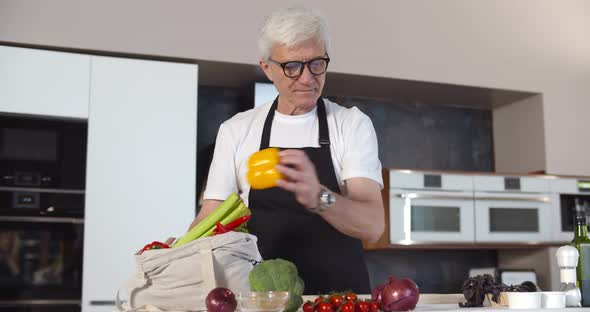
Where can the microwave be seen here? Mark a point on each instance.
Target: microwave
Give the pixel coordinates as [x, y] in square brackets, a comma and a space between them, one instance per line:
[512, 209]
[43, 167]
[42, 153]
[570, 197]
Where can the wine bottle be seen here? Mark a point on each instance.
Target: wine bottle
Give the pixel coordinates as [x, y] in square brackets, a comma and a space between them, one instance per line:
[581, 242]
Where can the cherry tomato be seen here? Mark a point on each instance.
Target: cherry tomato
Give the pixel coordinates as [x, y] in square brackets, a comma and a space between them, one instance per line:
[347, 307]
[362, 306]
[323, 307]
[307, 307]
[336, 301]
[373, 306]
[350, 296]
[319, 299]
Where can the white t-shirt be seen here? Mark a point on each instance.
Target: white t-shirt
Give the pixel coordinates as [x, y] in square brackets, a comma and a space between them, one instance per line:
[353, 146]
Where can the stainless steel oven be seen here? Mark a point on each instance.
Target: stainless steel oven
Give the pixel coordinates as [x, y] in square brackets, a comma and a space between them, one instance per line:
[512, 209]
[42, 189]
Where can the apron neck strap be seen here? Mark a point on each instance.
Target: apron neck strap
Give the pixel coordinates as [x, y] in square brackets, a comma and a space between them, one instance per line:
[324, 135]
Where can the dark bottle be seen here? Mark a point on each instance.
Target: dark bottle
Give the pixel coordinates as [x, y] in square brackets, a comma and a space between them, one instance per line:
[582, 243]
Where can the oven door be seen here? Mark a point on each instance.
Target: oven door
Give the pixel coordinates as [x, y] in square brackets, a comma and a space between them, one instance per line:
[431, 216]
[40, 263]
[512, 218]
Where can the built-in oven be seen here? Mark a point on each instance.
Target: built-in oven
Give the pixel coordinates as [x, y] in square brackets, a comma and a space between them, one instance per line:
[570, 198]
[512, 209]
[430, 208]
[40, 263]
[42, 190]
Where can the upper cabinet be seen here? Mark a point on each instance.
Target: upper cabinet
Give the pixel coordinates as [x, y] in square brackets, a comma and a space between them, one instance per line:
[44, 83]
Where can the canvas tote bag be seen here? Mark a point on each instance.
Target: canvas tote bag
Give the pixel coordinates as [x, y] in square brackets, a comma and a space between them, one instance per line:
[179, 279]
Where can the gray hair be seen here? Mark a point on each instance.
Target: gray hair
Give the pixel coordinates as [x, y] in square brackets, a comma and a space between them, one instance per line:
[291, 27]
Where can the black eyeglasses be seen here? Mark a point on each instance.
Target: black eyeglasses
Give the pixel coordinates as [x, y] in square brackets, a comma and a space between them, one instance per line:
[294, 69]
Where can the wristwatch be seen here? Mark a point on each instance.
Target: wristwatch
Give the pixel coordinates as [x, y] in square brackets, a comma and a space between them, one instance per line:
[326, 200]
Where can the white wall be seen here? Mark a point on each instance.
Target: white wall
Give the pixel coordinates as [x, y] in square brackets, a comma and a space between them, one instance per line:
[530, 45]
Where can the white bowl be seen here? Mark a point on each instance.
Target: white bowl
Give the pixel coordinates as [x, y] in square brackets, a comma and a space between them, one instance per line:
[524, 300]
[553, 299]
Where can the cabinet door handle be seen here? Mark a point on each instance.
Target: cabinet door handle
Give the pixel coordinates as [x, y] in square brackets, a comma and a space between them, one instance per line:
[102, 302]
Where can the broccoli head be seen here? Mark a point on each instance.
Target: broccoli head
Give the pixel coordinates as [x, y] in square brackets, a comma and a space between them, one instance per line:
[278, 275]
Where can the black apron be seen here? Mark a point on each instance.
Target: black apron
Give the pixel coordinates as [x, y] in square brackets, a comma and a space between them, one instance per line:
[327, 260]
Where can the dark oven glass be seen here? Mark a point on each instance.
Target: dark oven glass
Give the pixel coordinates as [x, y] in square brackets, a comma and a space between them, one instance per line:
[569, 209]
[40, 261]
[514, 220]
[435, 219]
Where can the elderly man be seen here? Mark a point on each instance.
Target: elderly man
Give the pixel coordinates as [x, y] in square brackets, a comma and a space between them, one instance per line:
[330, 196]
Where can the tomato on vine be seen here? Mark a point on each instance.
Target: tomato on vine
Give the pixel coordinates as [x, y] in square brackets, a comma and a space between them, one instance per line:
[336, 300]
[373, 306]
[323, 307]
[348, 306]
[350, 296]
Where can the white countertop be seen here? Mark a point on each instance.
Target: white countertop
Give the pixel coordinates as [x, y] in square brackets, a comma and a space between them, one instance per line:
[450, 302]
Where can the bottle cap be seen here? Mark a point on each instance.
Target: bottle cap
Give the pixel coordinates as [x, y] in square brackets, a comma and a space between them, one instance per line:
[567, 256]
[580, 220]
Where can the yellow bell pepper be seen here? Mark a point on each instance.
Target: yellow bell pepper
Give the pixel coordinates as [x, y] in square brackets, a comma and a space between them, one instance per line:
[261, 169]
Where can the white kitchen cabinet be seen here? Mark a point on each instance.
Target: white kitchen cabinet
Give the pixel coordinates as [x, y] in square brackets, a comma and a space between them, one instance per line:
[44, 83]
[141, 166]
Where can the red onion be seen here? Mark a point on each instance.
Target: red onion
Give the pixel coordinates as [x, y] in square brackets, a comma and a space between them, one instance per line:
[397, 294]
[221, 300]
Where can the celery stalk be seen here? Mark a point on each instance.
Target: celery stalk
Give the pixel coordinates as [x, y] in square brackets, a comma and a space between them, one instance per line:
[239, 212]
[231, 203]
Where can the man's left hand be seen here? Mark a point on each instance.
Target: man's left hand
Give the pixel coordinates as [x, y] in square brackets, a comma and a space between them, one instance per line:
[300, 177]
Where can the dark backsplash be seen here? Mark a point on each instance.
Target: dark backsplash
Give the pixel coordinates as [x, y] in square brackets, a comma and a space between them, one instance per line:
[410, 135]
[435, 271]
[419, 136]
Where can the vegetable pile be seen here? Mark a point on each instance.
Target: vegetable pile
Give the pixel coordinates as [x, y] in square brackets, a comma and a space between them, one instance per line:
[396, 294]
[278, 275]
[475, 288]
[232, 214]
[340, 302]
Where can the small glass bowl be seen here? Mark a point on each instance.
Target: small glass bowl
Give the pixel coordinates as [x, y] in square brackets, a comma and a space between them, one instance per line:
[262, 301]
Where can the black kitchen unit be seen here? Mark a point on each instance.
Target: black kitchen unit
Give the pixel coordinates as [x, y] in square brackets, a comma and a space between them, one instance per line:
[42, 182]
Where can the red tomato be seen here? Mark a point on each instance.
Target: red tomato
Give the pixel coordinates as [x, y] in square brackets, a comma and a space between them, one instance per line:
[336, 301]
[323, 307]
[347, 307]
[350, 296]
[319, 299]
[373, 306]
[362, 306]
[307, 307]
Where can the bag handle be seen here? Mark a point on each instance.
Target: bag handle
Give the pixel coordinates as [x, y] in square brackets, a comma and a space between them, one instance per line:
[134, 283]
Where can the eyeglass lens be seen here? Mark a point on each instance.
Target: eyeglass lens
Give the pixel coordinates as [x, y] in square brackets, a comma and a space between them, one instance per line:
[316, 67]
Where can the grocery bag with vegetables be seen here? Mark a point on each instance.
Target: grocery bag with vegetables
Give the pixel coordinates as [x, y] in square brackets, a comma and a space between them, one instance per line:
[217, 252]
